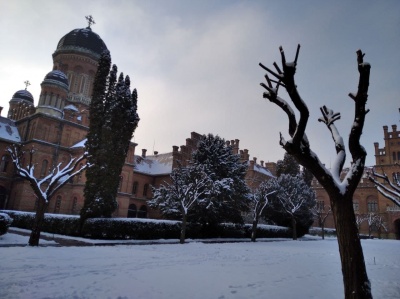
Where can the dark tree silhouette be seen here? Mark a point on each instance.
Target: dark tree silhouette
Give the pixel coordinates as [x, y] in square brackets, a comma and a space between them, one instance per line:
[355, 278]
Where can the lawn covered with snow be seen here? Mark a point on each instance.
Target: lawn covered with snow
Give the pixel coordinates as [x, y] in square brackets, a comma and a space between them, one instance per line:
[280, 269]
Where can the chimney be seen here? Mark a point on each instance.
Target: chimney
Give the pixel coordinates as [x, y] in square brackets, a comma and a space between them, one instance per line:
[144, 153]
[155, 153]
[1, 109]
[255, 160]
[175, 148]
[394, 127]
[262, 163]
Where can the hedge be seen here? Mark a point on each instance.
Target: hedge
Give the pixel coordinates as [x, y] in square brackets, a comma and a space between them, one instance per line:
[140, 229]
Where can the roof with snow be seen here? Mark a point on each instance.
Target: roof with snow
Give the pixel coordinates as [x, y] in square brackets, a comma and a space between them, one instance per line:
[154, 165]
[8, 130]
[71, 107]
[262, 170]
[58, 78]
[79, 144]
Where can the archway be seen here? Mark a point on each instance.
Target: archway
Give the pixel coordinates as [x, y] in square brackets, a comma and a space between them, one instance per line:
[396, 224]
[3, 197]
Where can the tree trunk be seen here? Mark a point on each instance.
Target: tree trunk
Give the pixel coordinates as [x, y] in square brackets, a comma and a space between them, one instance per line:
[183, 228]
[355, 278]
[37, 224]
[323, 230]
[294, 228]
[254, 230]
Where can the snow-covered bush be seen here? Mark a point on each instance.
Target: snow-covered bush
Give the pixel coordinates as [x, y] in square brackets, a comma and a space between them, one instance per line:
[5, 222]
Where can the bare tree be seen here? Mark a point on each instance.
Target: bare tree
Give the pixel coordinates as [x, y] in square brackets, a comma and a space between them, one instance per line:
[388, 188]
[359, 219]
[322, 215]
[380, 224]
[44, 188]
[259, 200]
[355, 278]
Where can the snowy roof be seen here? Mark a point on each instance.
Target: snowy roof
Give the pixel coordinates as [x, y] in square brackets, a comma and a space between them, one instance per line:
[71, 107]
[262, 170]
[8, 130]
[79, 144]
[154, 165]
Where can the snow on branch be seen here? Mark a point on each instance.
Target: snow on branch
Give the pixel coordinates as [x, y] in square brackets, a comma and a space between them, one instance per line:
[46, 187]
[388, 188]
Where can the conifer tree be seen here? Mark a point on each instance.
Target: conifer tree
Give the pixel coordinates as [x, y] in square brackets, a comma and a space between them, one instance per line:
[113, 119]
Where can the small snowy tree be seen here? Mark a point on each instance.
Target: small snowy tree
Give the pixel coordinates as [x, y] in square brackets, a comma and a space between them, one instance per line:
[223, 167]
[322, 214]
[355, 278]
[295, 199]
[46, 187]
[188, 187]
[359, 220]
[388, 188]
[259, 200]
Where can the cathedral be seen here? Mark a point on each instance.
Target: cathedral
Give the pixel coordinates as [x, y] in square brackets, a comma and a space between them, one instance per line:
[57, 126]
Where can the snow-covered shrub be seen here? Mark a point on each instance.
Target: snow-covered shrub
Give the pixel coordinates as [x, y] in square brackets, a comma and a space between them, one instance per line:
[5, 222]
[53, 223]
[128, 228]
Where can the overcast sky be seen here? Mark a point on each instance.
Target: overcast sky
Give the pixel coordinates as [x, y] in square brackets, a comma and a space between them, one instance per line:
[195, 63]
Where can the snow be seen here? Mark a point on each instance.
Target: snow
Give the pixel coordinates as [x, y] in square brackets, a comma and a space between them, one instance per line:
[71, 107]
[279, 269]
[8, 130]
[154, 165]
[80, 144]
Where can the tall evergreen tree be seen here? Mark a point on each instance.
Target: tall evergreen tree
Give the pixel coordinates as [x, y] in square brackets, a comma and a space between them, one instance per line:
[288, 165]
[222, 165]
[113, 119]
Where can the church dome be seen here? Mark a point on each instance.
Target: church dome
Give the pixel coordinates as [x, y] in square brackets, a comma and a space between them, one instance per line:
[22, 95]
[56, 77]
[82, 40]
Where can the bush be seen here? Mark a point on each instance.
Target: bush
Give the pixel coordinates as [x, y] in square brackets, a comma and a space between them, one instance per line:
[140, 229]
[5, 222]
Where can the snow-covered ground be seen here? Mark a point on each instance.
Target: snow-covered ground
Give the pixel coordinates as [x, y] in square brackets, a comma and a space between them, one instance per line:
[280, 269]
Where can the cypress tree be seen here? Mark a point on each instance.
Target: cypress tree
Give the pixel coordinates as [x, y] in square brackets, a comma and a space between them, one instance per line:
[113, 119]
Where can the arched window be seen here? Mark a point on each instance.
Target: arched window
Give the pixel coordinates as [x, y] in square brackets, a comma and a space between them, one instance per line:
[134, 187]
[372, 206]
[74, 209]
[121, 179]
[57, 206]
[145, 189]
[5, 160]
[142, 213]
[356, 206]
[44, 170]
[132, 211]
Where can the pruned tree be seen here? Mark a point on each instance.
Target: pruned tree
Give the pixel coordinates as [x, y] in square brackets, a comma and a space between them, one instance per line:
[355, 278]
[322, 214]
[388, 188]
[359, 220]
[380, 224]
[259, 200]
[188, 186]
[44, 188]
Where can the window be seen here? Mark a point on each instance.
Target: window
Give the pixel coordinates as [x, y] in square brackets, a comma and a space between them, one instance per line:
[142, 213]
[5, 160]
[132, 211]
[145, 189]
[43, 171]
[320, 205]
[134, 187]
[398, 156]
[121, 179]
[394, 156]
[356, 206]
[57, 205]
[372, 206]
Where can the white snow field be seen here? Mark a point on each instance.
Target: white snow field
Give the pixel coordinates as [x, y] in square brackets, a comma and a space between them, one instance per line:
[278, 269]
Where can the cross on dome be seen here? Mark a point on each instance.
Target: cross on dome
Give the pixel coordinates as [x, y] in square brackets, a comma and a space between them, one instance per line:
[27, 83]
[90, 20]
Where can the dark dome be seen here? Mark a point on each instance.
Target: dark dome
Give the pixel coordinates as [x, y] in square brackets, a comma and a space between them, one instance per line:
[82, 39]
[56, 77]
[23, 95]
